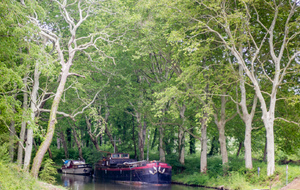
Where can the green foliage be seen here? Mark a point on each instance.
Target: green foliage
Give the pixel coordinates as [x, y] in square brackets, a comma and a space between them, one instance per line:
[4, 155]
[237, 176]
[48, 172]
[13, 178]
[91, 155]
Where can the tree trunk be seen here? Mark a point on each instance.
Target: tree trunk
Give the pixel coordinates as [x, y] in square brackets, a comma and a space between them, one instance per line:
[58, 141]
[52, 120]
[221, 128]
[240, 148]
[270, 148]
[148, 138]
[162, 156]
[181, 145]
[246, 117]
[23, 127]
[64, 143]
[133, 137]
[181, 136]
[77, 143]
[50, 153]
[93, 139]
[247, 144]
[222, 140]
[33, 103]
[12, 133]
[203, 158]
[265, 151]
[142, 136]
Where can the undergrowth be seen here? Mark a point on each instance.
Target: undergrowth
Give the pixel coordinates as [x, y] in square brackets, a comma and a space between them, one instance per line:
[234, 176]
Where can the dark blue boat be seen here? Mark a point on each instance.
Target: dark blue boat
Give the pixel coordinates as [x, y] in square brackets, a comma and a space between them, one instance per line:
[119, 167]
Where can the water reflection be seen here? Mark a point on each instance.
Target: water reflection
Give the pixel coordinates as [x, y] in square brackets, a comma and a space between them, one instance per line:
[80, 182]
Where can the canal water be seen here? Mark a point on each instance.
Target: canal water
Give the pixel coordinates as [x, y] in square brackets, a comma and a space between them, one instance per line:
[79, 182]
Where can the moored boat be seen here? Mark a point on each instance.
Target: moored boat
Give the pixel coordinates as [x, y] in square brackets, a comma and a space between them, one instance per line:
[119, 167]
[78, 167]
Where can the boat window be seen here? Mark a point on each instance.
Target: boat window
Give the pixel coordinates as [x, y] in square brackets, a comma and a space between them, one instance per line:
[115, 155]
[125, 156]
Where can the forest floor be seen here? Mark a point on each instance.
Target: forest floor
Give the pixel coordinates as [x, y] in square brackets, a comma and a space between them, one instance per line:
[294, 185]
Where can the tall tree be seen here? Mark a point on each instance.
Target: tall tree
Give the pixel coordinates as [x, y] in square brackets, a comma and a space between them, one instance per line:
[75, 15]
[270, 53]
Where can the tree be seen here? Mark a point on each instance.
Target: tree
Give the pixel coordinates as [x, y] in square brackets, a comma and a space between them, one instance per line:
[77, 41]
[266, 55]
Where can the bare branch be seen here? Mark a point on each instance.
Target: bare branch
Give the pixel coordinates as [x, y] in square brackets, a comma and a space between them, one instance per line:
[58, 112]
[280, 118]
[78, 75]
[92, 100]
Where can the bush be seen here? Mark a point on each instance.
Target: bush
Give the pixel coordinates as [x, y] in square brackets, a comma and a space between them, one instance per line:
[48, 173]
[4, 155]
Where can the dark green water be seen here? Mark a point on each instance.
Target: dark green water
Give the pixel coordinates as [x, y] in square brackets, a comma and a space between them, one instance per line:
[78, 182]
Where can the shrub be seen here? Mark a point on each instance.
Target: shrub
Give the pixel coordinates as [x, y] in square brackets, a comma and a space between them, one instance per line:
[48, 173]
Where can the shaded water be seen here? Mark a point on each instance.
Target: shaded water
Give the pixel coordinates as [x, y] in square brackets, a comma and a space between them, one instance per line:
[79, 182]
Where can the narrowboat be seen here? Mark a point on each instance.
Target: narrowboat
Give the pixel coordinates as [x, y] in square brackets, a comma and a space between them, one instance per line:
[120, 168]
[76, 167]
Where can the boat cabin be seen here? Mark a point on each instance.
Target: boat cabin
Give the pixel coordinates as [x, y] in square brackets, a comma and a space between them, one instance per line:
[115, 160]
[75, 164]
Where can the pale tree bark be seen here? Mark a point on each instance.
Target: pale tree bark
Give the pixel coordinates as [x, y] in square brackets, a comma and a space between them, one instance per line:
[282, 55]
[181, 138]
[33, 107]
[52, 119]
[203, 158]
[65, 62]
[247, 118]
[221, 122]
[23, 124]
[58, 142]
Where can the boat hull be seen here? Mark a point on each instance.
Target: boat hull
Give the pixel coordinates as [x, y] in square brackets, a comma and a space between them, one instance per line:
[77, 171]
[152, 173]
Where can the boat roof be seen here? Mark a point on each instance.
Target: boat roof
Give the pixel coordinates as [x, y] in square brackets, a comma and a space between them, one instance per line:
[75, 162]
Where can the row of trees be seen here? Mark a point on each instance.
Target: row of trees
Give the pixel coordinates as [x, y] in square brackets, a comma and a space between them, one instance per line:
[143, 71]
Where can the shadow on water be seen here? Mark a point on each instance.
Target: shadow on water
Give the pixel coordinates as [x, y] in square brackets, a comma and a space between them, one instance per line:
[80, 182]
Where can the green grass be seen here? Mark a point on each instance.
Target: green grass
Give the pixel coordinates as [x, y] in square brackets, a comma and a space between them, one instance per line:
[14, 178]
[236, 176]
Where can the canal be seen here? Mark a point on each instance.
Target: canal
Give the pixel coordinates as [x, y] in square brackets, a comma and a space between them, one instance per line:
[79, 182]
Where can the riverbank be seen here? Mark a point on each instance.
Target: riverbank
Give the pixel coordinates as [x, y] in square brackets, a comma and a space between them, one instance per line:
[235, 175]
[12, 177]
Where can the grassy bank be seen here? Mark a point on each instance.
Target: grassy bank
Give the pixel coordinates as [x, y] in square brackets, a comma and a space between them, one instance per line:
[235, 175]
[14, 178]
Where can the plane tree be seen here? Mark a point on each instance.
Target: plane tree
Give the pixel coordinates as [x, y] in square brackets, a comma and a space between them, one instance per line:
[69, 38]
[269, 54]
